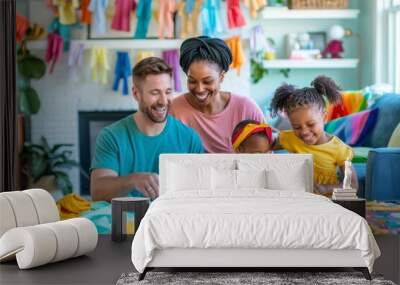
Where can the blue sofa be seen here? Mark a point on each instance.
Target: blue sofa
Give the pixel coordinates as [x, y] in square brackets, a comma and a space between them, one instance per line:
[379, 177]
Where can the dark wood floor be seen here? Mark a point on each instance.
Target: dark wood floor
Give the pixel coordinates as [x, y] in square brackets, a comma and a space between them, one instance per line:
[110, 260]
[102, 266]
[389, 262]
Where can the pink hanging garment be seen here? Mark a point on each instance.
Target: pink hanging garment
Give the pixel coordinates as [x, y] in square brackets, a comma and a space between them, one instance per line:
[166, 22]
[55, 45]
[171, 57]
[235, 16]
[122, 17]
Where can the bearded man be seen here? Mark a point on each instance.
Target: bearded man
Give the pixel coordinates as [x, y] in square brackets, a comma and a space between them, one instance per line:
[126, 160]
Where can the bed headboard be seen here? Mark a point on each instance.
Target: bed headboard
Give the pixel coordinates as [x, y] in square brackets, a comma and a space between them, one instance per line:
[293, 170]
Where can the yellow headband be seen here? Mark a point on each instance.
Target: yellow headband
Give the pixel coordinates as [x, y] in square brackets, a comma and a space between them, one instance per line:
[248, 130]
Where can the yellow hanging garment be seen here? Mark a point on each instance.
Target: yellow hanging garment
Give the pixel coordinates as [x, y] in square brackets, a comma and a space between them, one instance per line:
[254, 6]
[110, 11]
[71, 205]
[238, 58]
[143, 54]
[189, 22]
[66, 11]
[194, 30]
[99, 64]
[184, 19]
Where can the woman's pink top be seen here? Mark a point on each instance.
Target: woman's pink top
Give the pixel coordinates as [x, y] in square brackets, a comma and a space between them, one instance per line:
[215, 130]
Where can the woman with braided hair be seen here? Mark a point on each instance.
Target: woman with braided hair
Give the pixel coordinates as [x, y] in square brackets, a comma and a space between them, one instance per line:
[305, 109]
[213, 113]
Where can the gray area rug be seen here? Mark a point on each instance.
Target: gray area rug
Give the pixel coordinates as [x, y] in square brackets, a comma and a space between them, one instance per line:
[228, 278]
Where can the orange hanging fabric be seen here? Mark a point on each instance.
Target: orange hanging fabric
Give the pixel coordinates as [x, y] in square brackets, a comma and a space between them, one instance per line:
[86, 15]
[254, 6]
[22, 25]
[238, 58]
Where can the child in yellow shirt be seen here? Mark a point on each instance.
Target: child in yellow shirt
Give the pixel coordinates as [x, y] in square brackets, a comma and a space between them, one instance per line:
[249, 136]
[305, 109]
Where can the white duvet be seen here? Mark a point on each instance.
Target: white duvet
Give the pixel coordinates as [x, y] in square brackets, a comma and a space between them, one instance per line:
[254, 218]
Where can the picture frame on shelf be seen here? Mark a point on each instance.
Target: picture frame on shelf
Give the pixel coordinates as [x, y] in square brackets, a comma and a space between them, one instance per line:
[319, 40]
[300, 46]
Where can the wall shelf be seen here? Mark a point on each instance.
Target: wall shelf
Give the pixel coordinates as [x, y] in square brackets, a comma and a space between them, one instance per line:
[154, 44]
[287, 14]
[311, 63]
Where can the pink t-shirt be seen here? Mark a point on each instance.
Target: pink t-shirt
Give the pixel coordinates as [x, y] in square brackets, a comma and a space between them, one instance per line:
[216, 130]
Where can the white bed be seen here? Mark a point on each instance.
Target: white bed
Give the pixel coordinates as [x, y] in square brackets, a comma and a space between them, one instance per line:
[224, 210]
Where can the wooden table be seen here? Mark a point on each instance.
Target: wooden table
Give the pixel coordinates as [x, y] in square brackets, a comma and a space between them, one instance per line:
[356, 205]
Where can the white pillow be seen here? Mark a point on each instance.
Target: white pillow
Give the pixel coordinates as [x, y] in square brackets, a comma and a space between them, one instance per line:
[183, 177]
[251, 178]
[292, 181]
[223, 179]
[281, 173]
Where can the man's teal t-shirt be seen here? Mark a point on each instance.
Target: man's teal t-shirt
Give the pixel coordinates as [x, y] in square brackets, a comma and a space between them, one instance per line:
[123, 148]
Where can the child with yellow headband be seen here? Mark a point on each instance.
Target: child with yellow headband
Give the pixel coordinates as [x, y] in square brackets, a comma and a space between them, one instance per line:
[250, 136]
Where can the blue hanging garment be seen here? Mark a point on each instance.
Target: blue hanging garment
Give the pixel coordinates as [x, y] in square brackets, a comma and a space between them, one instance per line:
[189, 6]
[143, 12]
[210, 18]
[123, 71]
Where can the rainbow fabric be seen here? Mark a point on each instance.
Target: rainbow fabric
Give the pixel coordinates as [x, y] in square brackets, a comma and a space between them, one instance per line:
[352, 102]
[354, 128]
[239, 136]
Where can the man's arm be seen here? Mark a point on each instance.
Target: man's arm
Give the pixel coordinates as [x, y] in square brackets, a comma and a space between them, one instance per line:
[105, 184]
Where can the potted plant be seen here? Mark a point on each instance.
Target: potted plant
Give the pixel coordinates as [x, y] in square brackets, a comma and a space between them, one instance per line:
[29, 66]
[45, 165]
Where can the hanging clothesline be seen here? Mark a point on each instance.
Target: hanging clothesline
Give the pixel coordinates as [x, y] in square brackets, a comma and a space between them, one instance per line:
[155, 44]
[152, 44]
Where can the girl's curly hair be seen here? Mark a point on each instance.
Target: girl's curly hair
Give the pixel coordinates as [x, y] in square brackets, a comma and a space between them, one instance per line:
[287, 97]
